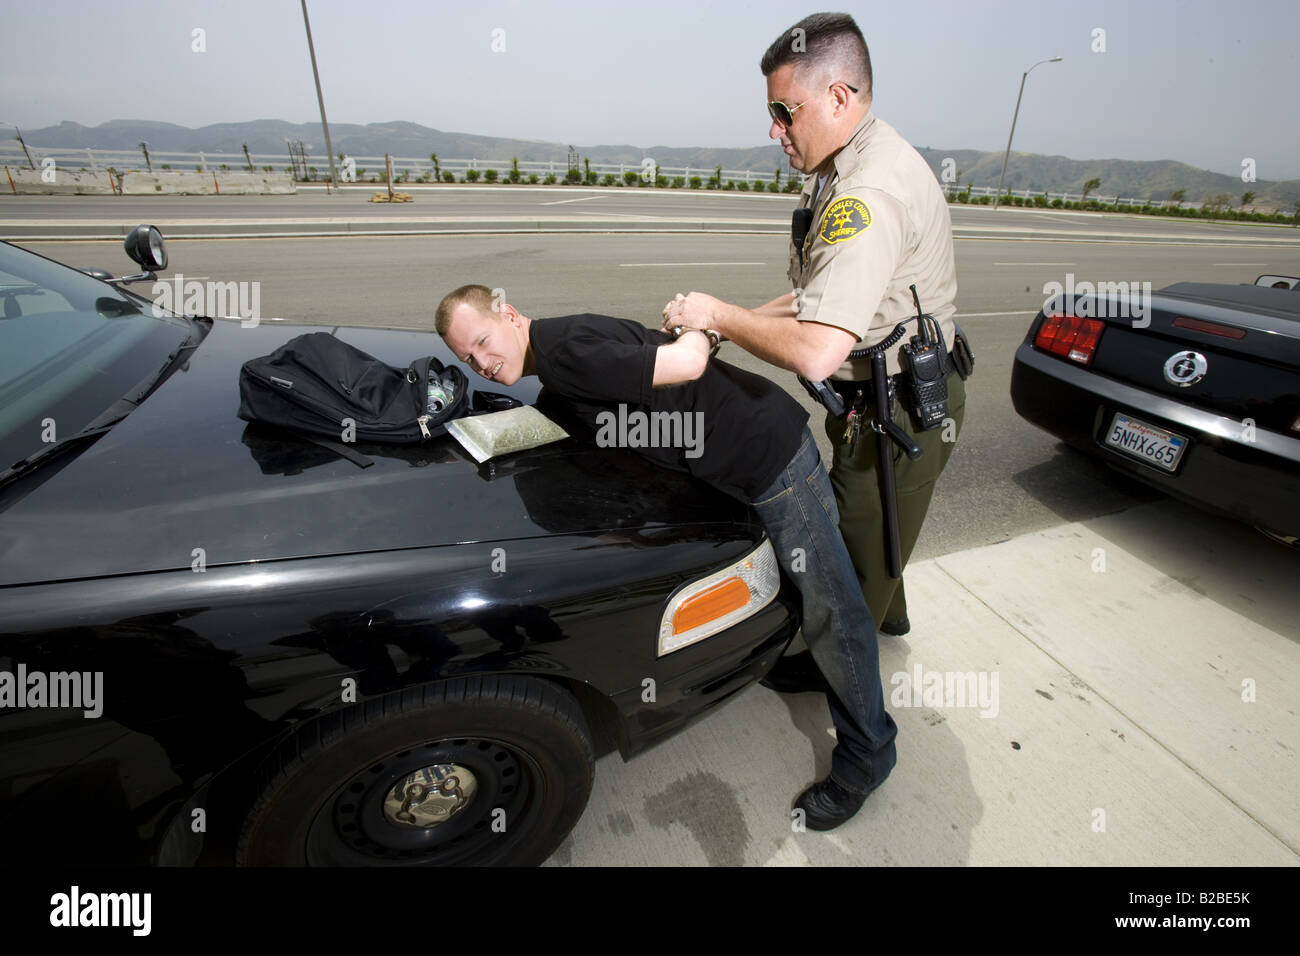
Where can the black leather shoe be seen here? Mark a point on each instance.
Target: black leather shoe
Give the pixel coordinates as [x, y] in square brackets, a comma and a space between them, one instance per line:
[826, 804]
[795, 674]
[898, 628]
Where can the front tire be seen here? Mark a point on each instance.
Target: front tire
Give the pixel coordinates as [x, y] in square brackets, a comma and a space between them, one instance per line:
[478, 771]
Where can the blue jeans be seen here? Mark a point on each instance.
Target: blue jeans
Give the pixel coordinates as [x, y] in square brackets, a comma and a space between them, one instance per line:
[802, 520]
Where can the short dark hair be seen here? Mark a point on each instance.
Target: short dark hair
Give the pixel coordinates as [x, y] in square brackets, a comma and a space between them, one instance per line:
[828, 40]
[479, 296]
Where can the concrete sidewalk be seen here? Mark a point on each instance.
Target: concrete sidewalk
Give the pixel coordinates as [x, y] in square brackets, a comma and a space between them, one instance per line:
[1140, 675]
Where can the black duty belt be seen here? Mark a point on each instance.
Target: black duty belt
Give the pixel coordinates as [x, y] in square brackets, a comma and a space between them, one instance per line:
[923, 389]
[848, 388]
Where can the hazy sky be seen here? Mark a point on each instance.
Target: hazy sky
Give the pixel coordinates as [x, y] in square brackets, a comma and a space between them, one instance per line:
[1202, 82]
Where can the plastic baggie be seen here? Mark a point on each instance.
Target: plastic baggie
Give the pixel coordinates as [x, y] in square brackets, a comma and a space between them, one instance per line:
[500, 433]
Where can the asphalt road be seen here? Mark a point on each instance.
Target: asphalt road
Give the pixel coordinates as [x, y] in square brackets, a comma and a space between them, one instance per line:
[1005, 478]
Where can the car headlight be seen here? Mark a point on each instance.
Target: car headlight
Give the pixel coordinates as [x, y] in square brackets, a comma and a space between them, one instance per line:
[702, 608]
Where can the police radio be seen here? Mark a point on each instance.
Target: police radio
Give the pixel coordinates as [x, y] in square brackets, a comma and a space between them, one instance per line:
[925, 382]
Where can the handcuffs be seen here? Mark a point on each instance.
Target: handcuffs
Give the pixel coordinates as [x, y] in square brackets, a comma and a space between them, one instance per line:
[715, 340]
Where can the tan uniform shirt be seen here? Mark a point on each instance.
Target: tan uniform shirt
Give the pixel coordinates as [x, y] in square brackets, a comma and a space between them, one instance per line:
[880, 224]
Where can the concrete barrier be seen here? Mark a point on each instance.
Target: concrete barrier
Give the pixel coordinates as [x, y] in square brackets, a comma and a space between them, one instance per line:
[55, 182]
[65, 182]
[202, 184]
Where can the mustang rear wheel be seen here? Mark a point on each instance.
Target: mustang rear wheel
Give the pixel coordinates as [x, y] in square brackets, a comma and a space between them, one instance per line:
[481, 770]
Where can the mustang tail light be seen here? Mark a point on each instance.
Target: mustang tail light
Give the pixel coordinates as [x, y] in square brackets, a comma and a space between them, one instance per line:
[1070, 337]
[702, 608]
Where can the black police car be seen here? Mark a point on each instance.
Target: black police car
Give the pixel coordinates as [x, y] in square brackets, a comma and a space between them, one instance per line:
[223, 643]
[1196, 392]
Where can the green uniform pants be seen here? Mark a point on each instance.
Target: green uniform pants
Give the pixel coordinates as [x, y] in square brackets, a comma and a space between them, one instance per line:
[857, 493]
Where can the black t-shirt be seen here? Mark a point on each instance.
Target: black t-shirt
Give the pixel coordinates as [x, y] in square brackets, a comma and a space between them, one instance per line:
[732, 428]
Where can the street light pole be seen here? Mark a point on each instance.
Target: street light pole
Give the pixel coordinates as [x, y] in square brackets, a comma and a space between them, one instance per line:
[334, 173]
[1005, 156]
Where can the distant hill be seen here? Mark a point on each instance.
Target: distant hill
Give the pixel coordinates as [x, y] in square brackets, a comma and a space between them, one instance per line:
[268, 136]
[1137, 179]
[1132, 178]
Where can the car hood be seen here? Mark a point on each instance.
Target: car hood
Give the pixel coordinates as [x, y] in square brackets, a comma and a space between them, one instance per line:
[183, 482]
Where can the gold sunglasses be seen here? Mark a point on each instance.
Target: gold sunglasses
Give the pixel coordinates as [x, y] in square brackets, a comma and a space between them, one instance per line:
[785, 114]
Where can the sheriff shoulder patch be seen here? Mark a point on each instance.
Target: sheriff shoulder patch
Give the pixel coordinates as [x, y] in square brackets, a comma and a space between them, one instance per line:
[844, 219]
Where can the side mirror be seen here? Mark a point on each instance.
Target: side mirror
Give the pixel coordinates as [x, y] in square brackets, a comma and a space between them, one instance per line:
[145, 246]
[1278, 282]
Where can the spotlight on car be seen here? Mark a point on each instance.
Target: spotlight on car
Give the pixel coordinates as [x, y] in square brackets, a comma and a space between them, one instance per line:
[145, 245]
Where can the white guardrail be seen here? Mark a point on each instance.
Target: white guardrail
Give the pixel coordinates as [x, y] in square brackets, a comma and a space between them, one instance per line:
[416, 168]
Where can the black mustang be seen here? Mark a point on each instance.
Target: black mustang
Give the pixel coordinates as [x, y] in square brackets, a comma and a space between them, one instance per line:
[222, 643]
[1196, 391]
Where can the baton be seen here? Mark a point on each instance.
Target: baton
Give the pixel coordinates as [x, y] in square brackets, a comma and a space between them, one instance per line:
[887, 433]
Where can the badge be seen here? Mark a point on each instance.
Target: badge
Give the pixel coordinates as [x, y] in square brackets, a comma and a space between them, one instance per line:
[844, 219]
[1185, 368]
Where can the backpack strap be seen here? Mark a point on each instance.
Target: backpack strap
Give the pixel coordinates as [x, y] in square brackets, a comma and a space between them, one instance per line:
[343, 451]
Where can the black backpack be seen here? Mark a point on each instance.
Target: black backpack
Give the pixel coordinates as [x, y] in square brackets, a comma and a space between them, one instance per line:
[313, 382]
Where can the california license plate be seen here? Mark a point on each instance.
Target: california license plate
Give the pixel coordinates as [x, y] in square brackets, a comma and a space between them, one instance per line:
[1155, 446]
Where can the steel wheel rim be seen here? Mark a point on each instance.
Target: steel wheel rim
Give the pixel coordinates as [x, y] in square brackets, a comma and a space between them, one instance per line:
[356, 824]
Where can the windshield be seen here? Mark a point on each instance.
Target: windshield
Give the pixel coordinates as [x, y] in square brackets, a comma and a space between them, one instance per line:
[70, 347]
